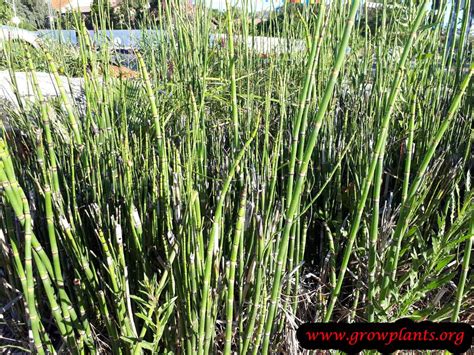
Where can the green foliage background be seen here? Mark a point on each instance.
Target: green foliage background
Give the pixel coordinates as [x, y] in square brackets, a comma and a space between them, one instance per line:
[5, 12]
[33, 13]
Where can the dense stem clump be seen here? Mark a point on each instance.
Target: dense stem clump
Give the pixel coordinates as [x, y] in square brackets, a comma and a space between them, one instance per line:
[247, 177]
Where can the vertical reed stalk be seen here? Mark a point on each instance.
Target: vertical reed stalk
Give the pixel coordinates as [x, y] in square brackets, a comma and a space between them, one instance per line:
[380, 146]
[295, 196]
[238, 234]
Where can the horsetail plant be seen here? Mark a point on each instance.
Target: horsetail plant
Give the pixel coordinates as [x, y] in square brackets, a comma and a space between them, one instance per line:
[380, 146]
[240, 177]
[291, 211]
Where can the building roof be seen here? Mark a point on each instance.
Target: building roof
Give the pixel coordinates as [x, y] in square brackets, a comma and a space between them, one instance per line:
[68, 5]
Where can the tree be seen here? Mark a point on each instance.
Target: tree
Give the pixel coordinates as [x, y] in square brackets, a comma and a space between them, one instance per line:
[130, 13]
[33, 13]
[6, 12]
[99, 9]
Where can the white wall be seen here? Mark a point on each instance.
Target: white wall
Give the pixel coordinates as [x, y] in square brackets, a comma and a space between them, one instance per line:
[83, 5]
[253, 5]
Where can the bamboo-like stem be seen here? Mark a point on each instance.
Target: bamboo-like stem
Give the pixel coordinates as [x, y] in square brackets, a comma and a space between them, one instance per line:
[125, 282]
[394, 254]
[233, 85]
[409, 152]
[213, 242]
[464, 272]
[15, 200]
[65, 305]
[64, 98]
[162, 149]
[34, 320]
[64, 325]
[30, 297]
[142, 228]
[112, 268]
[291, 211]
[303, 103]
[375, 159]
[239, 227]
[373, 236]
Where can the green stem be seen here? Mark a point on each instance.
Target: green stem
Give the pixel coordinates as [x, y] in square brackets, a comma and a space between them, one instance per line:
[214, 242]
[239, 228]
[293, 207]
[375, 160]
[394, 254]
